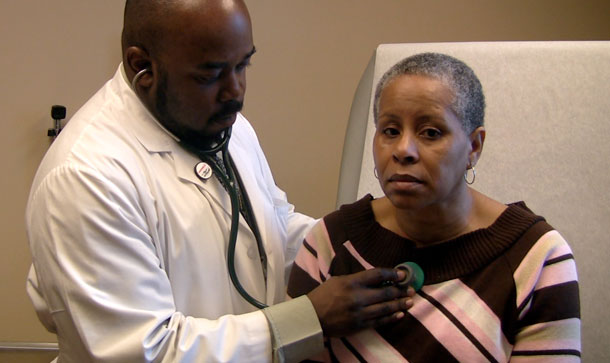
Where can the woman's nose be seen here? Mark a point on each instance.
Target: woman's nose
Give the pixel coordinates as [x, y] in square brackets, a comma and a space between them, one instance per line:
[406, 150]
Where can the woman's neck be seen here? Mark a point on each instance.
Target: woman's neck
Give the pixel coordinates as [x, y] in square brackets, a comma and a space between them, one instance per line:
[438, 223]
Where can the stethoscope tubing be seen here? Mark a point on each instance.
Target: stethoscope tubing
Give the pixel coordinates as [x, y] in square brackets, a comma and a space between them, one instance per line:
[231, 183]
[234, 229]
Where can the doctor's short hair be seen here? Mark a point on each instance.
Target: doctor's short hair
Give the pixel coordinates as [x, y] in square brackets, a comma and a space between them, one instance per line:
[469, 102]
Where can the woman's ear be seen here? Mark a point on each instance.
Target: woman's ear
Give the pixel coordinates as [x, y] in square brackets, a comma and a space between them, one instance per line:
[136, 60]
[477, 139]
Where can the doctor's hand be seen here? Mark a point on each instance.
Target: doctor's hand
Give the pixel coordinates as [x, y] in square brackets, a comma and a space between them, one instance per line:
[349, 303]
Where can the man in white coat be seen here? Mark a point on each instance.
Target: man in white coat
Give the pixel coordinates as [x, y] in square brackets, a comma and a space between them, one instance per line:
[129, 238]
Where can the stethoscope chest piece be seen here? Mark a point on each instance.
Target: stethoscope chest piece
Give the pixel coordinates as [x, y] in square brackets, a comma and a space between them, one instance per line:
[203, 170]
[415, 275]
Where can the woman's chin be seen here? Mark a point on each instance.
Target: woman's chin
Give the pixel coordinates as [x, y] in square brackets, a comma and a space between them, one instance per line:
[405, 202]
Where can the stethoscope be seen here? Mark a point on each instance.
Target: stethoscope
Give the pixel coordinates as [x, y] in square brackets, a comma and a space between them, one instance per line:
[231, 185]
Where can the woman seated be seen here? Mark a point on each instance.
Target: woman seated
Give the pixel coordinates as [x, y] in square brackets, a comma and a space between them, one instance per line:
[500, 283]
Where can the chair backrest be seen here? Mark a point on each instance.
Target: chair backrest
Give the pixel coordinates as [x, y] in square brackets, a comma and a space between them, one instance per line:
[548, 143]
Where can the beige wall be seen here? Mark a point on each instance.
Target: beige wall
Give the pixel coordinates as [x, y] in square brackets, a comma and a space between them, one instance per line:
[310, 58]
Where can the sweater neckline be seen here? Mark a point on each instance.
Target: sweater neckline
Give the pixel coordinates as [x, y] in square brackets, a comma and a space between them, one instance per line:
[444, 261]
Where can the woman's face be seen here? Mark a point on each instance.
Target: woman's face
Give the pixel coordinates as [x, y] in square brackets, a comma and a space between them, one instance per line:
[420, 148]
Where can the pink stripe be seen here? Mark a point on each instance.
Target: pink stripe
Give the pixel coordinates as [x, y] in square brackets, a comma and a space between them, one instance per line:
[560, 334]
[362, 349]
[319, 240]
[383, 351]
[470, 310]
[530, 268]
[560, 246]
[549, 344]
[341, 352]
[557, 273]
[348, 245]
[444, 331]
[308, 263]
[527, 284]
[554, 359]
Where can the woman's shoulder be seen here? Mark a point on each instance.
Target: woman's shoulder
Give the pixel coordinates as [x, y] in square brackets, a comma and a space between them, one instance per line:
[360, 209]
[532, 233]
[348, 219]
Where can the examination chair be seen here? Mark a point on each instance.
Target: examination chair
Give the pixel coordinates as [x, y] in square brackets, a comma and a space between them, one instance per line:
[548, 143]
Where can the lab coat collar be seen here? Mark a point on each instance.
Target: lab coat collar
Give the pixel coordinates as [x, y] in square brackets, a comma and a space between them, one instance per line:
[146, 128]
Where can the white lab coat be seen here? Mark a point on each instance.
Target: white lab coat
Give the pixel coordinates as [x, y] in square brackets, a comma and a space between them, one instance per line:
[129, 246]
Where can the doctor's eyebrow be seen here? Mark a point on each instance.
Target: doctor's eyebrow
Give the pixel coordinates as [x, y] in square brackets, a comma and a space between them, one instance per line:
[216, 65]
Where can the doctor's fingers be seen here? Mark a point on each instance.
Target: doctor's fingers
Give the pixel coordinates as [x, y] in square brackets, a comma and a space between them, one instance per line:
[379, 294]
[385, 312]
[372, 316]
[381, 308]
[377, 276]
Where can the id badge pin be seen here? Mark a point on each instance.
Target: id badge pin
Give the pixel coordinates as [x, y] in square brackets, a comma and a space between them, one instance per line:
[203, 171]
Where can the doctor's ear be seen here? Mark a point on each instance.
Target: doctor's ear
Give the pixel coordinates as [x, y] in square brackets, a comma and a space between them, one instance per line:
[138, 67]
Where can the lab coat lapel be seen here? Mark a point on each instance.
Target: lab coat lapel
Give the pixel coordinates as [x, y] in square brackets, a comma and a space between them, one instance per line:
[156, 140]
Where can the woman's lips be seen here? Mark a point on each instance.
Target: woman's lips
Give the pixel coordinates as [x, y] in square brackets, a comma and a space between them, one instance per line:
[404, 178]
[404, 182]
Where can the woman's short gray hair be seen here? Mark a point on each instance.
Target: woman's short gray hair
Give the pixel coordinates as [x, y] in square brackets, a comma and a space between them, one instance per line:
[469, 102]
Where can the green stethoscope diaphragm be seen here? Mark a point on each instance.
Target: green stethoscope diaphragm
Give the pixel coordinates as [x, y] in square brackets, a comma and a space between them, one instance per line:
[415, 275]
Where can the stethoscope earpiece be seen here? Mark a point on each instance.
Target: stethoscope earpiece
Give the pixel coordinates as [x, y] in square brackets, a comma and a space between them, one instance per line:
[415, 275]
[137, 77]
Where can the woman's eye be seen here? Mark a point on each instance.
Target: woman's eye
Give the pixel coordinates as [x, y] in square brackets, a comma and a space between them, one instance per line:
[431, 133]
[389, 131]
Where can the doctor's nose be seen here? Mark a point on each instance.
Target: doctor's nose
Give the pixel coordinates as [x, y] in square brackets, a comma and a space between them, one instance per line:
[233, 87]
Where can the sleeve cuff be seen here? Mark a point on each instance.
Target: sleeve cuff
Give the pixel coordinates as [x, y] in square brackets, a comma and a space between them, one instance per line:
[295, 329]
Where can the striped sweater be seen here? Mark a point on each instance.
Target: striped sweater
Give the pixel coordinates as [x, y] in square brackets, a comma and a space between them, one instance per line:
[508, 292]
